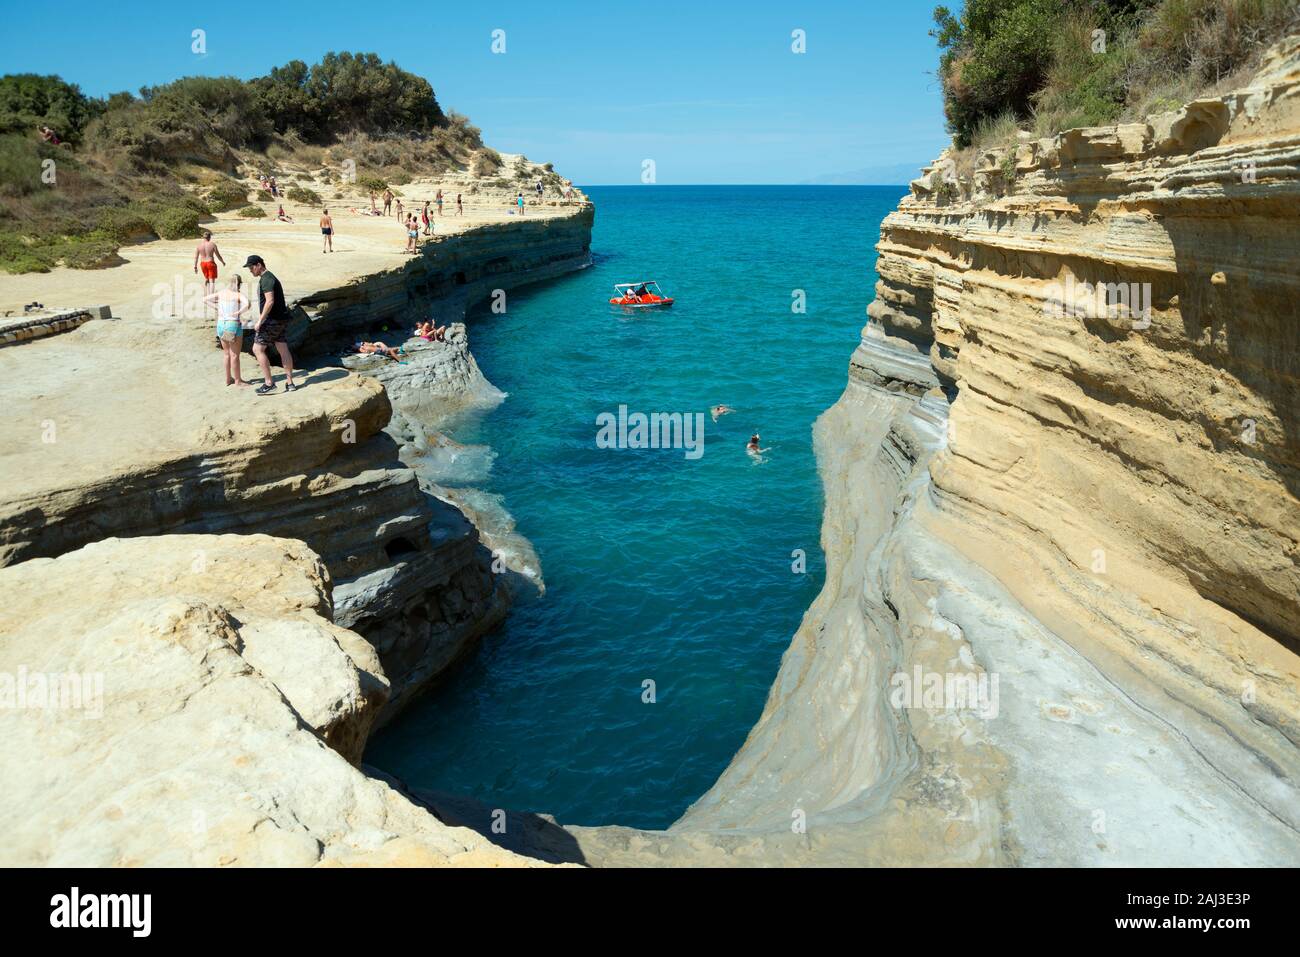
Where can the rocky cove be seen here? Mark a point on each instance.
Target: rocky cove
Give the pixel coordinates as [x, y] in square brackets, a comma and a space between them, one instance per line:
[1069, 505]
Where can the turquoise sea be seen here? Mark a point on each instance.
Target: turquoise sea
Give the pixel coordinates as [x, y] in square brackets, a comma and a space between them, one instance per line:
[658, 567]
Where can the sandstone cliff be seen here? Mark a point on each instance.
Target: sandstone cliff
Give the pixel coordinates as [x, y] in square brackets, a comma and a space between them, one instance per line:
[185, 700]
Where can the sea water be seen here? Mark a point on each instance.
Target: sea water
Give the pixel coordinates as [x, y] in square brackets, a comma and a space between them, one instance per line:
[674, 582]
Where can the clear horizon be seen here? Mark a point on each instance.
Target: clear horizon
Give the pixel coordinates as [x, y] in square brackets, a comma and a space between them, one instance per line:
[711, 96]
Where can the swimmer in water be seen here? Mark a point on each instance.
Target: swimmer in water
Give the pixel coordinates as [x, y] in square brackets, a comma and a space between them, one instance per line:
[719, 410]
[752, 448]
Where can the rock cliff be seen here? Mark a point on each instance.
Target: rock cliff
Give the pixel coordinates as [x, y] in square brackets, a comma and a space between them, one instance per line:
[185, 700]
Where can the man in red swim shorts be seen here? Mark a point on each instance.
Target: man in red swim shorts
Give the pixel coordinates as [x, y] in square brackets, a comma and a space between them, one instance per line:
[206, 257]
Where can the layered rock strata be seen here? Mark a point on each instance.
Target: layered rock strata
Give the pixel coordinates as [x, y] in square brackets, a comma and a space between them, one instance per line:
[185, 700]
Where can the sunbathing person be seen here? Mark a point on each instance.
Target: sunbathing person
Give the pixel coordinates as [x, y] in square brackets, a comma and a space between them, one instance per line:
[379, 348]
[283, 217]
[431, 333]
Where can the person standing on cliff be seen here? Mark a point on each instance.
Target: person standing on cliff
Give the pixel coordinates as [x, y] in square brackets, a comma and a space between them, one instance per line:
[438, 199]
[460, 210]
[271, 326]
[388, 201]
[520, 201]
[326, 231]
[204, 255]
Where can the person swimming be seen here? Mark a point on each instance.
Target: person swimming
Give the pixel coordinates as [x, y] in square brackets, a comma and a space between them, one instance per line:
[720, 410]
[753, 447]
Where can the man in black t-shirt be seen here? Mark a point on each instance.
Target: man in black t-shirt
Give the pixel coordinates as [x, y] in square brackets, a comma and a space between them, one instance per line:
[270, 325]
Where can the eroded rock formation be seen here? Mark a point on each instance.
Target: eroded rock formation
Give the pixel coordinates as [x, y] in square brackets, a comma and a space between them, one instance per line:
[185, 700]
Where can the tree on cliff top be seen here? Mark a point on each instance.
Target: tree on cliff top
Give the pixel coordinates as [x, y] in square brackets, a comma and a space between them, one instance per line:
[28, 101]
[348, 93]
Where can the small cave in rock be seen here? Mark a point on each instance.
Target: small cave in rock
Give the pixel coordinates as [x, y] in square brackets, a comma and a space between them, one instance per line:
[399, 547]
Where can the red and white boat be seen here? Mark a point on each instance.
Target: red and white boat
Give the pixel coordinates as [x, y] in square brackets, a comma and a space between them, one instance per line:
[640, 295]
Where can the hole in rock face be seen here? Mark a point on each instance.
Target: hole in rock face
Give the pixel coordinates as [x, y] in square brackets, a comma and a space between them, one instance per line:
[398, 547]
[460, 279]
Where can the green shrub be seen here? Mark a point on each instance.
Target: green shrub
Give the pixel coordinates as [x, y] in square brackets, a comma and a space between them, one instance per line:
[301, 194]
[20, 166]
[252, 212]
[226, 195]
[1008, 171]
[124, 224]
[175, 222]
[89, 253]
[18, 256]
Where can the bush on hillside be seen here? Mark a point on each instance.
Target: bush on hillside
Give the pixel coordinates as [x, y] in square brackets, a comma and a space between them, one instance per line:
[485, 162]
[20, 166]
[175, 222]
[124, 224]
[301, 194]
[226, 195]
[252, 212]
[1063, 63]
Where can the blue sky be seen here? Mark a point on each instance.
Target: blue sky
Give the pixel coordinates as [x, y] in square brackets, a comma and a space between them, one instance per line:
[710, 91]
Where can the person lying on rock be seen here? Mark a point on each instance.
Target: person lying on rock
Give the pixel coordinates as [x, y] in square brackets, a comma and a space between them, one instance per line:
[379, 348]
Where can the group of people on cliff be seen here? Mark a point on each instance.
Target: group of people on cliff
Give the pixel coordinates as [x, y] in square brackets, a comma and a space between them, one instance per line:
[265, 315]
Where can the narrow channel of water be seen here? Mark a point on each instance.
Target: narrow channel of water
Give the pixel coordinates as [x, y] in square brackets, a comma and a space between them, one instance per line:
[659, 567]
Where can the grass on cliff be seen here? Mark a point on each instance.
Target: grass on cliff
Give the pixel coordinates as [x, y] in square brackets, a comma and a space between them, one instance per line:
[56, 210]
[1050, 65]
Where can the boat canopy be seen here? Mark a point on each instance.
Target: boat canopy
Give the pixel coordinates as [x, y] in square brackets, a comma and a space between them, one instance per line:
[623, 288]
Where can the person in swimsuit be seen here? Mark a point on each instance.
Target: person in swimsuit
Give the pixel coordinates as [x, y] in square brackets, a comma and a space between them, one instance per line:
[379, 348]
[460, 210]
[424, 217]
[520, 201]
[753, 449]
[412, 234]
[430, 333]
[388, 202]
[326, 232]
[720, 410]
[438, 199]
[282, 216]
[231, 305]
[206, 256]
